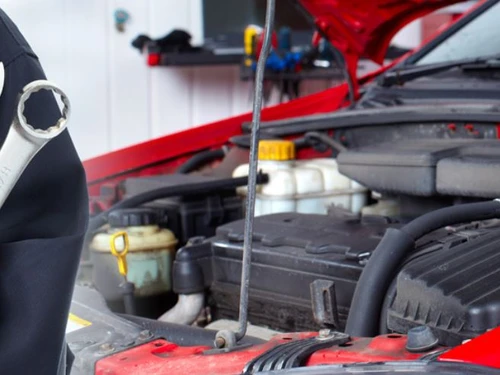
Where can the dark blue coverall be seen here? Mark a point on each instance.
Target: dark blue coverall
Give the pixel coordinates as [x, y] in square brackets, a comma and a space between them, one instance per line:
[42, 226]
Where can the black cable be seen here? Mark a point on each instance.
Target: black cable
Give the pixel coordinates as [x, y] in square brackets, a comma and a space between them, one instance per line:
[244, 140]
[180, 334]
[340, 61]
[200, 159]
[371, 289]
[326, 140]
[198, 188]
[452, 215]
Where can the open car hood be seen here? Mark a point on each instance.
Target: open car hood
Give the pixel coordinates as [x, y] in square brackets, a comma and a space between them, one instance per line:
[364, 28]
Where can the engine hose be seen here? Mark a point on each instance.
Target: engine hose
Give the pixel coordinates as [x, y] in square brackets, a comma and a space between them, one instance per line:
[370, 292]
[180, 334]
[198, 188]
[201, 159]
[326, 140]
[244, 140]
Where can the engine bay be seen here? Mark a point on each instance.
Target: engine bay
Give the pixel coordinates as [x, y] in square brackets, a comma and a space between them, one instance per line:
[318, 223]
[362, 236]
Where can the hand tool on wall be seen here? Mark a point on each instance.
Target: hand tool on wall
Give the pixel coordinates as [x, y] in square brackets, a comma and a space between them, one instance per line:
[250, 40]
[282, 62]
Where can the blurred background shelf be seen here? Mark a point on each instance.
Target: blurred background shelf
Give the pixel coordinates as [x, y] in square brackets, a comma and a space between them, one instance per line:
[332, 73]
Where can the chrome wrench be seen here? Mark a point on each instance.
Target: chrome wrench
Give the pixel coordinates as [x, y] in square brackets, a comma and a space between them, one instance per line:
[23, 141]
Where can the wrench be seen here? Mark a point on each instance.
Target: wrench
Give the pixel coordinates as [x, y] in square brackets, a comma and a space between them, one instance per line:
[23, 141]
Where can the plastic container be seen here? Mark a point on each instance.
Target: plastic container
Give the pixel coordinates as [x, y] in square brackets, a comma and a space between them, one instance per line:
[308, 186]
[190, 216]
[149, 259]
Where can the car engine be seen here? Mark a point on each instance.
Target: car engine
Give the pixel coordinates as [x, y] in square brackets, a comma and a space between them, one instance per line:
[371, 232]
[307, 260]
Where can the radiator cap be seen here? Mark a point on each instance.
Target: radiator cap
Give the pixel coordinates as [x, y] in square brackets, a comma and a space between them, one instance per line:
[278, 150]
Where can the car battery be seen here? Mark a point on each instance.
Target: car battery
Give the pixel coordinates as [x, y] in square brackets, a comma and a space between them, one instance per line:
[291, 253]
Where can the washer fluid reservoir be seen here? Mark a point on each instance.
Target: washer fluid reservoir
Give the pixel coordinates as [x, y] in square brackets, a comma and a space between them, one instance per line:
[149, 259]
[305, 186]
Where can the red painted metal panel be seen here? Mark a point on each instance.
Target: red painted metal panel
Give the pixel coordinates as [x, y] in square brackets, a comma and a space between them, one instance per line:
[483, 350]
[162, 358]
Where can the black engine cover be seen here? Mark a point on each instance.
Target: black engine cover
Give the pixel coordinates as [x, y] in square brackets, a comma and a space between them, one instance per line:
[455, 291]
[290, 251]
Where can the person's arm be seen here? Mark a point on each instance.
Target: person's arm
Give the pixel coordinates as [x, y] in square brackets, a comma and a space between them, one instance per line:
[42, 225]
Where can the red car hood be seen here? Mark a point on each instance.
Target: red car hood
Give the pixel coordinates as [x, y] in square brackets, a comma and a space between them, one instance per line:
[364, 28]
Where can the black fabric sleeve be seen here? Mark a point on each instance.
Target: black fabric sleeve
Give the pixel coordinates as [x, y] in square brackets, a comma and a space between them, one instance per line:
[42, 225]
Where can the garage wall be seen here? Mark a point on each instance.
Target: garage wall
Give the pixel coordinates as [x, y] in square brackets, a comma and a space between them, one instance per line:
[117, 100]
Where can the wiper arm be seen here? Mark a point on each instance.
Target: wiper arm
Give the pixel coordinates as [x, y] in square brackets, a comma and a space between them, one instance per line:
[401, 76]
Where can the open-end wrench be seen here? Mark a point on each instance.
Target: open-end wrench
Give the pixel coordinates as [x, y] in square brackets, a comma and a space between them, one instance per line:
[23, 141]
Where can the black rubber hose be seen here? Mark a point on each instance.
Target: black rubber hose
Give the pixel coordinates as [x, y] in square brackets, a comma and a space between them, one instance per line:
[182, 335]
[326, 140]
[128, 289]
[244, 140]
[200, 160]
[198, 188]
[452, 215]
[364, 313]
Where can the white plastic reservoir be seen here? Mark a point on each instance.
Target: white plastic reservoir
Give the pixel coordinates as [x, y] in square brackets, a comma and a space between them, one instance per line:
[306, 186]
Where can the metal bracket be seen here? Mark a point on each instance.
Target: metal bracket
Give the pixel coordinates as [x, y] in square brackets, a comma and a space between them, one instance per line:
[324, 303]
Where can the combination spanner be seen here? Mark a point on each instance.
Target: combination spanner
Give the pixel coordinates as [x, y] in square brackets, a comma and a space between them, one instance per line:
[24, 141]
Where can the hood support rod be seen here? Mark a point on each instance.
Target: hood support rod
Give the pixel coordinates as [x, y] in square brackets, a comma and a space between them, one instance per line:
[227, 338]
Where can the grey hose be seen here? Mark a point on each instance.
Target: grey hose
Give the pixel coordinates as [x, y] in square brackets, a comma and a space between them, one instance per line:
[186, 310]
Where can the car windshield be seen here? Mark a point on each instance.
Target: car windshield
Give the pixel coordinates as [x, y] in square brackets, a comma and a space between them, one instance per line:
[478, 38]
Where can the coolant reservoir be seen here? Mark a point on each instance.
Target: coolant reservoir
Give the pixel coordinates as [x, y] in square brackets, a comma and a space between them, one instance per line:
[149, 259]
[306, 186]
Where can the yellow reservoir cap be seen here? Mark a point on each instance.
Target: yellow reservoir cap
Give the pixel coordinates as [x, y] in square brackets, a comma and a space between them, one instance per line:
[278, 150]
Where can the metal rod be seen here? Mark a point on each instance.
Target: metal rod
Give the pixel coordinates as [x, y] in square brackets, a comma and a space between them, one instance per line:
[252, 176]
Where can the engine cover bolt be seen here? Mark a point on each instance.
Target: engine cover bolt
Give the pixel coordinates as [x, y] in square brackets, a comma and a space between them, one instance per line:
[106, 348]
[220, 342]
[144, 335]
[325, 333]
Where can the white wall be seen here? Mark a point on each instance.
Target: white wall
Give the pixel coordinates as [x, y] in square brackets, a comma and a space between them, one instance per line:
[117, 100]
